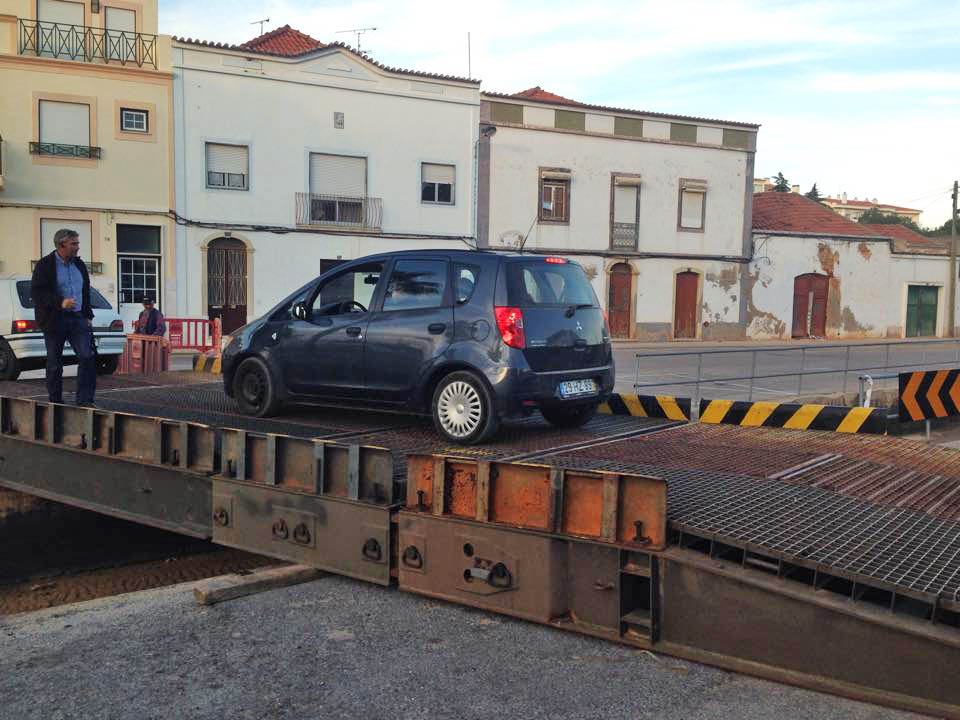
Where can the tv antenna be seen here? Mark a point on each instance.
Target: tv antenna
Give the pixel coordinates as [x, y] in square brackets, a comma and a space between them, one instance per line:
[260, 23]
[356, 31]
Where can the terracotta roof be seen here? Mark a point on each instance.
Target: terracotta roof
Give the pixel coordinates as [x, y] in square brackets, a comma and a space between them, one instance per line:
[868, 204]
[906, 240]
[287, 42]
[793, 213]
[538, 95]
[283, 41]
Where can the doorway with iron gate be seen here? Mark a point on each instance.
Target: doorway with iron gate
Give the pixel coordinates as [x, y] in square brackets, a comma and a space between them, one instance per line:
[227, 282]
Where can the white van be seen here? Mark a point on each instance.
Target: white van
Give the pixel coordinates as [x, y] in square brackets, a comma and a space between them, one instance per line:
[21, 341]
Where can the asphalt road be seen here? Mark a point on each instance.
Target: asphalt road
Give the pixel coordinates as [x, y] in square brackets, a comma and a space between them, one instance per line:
[336, 648]
[669, 370]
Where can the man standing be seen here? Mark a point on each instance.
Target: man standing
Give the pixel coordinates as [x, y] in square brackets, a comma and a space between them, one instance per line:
[150, 321]
[61, 299]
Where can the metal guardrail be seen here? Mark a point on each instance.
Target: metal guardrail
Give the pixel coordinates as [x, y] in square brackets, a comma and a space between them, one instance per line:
[695, 380]
[338, 210]
[87, 44]
[61, 150]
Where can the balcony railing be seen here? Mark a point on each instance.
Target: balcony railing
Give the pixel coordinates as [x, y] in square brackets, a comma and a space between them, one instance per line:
[338, 210]
[60, 150]
[87, 44]
[624, 235]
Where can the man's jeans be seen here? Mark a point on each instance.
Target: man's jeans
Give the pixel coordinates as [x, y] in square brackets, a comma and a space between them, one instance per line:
[73, 327]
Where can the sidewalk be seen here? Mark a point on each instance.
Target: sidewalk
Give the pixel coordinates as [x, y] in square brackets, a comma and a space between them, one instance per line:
[698, 345]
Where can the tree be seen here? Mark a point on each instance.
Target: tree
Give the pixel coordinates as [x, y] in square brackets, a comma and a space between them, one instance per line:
[814, 194]
[780, 183]
[876, 216]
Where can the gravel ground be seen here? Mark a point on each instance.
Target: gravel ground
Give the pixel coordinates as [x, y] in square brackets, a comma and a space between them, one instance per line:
[335, 648]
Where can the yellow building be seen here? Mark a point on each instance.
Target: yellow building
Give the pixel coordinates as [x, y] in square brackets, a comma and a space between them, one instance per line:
[87, 127]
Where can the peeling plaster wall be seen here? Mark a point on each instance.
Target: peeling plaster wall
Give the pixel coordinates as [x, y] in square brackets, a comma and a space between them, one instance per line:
[867, 285]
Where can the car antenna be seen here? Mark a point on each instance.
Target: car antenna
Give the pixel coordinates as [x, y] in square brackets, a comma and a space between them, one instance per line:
[529, 229]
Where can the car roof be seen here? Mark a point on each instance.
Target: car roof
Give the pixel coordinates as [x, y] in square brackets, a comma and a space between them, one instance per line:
[451, 252]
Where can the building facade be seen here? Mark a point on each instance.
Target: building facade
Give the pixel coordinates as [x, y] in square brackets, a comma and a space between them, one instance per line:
[87, 142]
[293, 155]
[853, 208]
[657, 208]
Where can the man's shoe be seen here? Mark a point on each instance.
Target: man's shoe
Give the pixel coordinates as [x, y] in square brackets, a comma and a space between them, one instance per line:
[86, 404]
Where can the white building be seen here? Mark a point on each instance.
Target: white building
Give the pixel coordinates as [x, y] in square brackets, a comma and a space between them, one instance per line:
[292, 155]
[817, 274]
[656, 207]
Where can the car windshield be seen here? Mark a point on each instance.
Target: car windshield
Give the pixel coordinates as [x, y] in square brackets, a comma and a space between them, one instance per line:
[97, 301]
[537, 282]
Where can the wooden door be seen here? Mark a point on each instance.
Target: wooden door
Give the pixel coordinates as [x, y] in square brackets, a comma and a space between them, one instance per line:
[810, 305]
[921, 311]
[685, 307]
[618, 301]
[227, 283]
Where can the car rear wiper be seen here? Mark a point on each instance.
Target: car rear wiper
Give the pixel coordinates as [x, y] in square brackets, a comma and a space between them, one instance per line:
[569, 312]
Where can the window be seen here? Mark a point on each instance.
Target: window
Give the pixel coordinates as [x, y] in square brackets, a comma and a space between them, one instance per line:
[227, 166]
[139, 276]
[553, 200]
[343, 293]
[121, 33]
[83, 228]
[534, 282]
[134, 120]
[338, 189]
[693, 201]
[465, 281]
[138, 239]
[436, 183]
[97, 301]
[64, 123]
[416, 284]
[626, 206]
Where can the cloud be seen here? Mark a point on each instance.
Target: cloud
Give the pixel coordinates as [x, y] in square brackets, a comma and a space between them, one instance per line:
[873, 82]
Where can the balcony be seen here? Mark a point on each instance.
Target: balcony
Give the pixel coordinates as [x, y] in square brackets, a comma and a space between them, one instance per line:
[339, 211]
[87, 44]
[625, 235]
[69, 151]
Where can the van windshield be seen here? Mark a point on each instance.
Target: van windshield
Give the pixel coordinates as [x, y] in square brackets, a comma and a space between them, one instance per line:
[97, 301]
[537, 282]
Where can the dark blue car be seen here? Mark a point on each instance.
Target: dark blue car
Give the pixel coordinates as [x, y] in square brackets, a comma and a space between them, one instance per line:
[469, 336]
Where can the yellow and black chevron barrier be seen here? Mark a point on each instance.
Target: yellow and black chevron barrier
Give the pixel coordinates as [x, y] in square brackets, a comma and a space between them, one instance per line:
[206, 363]
[656, 406]
[794, 416]
[929, 394]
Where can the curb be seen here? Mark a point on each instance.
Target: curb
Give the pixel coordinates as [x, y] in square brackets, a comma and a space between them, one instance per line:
[794, 416]
[654, 406]
[206, 363]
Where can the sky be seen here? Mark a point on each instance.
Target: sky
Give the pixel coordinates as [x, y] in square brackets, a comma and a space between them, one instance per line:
[861, 97]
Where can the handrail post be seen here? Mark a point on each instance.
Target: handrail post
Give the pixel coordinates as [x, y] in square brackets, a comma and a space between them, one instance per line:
[753, 371]
[846, 370]
[695, 399]
[803, 366]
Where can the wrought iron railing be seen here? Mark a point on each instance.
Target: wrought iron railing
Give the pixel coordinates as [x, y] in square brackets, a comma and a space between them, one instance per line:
[87, 44]
[339, 210]
[624, 235]
[60, 150]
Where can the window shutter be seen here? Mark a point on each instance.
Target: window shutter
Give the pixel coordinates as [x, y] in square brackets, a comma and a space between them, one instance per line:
[691, 211]
[338, 175]
[227, 158]
[120, 19]
[64, 123]
[48, 228]
[433, 173]
[624, 204]
[58, 11]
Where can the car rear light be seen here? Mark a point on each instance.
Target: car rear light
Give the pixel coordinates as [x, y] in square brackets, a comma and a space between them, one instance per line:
[556, 260]
[510, 324]
[117, 325]
[23, 326]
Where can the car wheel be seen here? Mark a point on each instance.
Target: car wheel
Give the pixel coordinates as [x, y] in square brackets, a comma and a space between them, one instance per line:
[254, 389]
[572, 417]
[107, 365]
[463, 409]
[9, 365]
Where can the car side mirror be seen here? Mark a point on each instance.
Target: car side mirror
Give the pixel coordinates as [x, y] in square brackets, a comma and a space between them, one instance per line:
[299, 311]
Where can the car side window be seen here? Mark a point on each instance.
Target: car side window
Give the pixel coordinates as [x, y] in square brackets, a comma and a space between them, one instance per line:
[416, 284]
[464, 282]
[348, 292]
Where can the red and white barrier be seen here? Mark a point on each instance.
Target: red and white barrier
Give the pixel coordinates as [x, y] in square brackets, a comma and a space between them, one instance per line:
[194, 333]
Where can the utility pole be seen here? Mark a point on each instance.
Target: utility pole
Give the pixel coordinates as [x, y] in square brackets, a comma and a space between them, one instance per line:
[953, 264]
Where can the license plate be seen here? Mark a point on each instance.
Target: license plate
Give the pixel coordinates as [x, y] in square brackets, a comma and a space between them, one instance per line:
[573, 388]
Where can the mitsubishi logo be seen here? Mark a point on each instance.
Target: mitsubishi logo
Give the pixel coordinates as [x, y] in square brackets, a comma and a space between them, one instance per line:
[579, 327]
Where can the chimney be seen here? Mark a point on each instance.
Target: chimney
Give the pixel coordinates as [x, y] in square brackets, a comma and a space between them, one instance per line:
[795, 188]
[843, 196]
[874, 201]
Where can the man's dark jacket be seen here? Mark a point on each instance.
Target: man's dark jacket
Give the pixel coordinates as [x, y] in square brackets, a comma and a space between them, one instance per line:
[47, 300]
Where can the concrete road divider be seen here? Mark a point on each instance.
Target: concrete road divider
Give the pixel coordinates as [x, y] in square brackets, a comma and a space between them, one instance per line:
[656, 406]
[794, 416]
[207, 363]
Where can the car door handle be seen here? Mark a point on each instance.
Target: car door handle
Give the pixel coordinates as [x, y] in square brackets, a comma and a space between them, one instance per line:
[354, 331]
[436, 328]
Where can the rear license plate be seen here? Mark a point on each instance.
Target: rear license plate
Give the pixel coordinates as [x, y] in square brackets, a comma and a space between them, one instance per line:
[574, 388]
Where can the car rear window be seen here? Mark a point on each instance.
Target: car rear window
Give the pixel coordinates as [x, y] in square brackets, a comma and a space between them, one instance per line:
[97, 301]
[537, 282]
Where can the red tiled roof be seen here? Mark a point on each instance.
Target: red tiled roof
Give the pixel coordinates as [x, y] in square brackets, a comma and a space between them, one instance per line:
[538, 93]
[283, 41]
[906, 240]
[793, 213]
[868, 204]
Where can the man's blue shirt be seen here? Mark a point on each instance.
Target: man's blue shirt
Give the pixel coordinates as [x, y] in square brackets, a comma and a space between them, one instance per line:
[70, 282]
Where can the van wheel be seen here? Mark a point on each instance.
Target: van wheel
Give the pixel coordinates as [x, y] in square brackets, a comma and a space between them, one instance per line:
[463, 409]
[9, 365]
[107, 365]
[573, 417]
[255, 389]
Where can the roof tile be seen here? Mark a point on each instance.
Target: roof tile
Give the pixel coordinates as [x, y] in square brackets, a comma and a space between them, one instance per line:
[794, 213]
[284, 41]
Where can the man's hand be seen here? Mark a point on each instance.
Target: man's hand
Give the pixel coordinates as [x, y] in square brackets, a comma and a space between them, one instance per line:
[68, 304]
[89, 323]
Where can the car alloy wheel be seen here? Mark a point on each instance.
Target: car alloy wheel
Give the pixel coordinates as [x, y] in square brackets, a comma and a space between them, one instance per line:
[460, 409]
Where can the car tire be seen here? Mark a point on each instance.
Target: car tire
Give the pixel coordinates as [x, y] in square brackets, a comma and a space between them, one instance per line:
[107, 364]
[463, 409]
[571, 417]
[254, 389]
[9, 365]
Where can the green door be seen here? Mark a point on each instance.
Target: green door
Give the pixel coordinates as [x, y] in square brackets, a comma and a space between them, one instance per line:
[921, 311]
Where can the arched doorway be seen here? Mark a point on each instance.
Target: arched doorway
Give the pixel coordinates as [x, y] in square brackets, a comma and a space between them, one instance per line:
[618, 301]
[227, 282]
[685, 306]
[809, 305]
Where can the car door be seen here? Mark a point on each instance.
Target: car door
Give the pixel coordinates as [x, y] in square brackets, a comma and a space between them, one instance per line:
[411, 330]
[321, 355]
